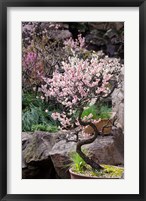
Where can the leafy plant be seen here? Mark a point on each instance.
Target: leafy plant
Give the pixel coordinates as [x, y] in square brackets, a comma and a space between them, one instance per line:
[78, 164]
[37, 116]
[44, 127]
[29, 118]
[30, 98]
[101, 111]
[90, 110]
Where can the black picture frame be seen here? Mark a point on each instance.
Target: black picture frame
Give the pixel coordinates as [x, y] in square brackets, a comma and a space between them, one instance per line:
[4, 4]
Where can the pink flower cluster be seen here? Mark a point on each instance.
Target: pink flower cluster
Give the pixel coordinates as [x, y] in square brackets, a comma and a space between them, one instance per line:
[62, 118]
[30, 58]
[81, 81]
[75, 44]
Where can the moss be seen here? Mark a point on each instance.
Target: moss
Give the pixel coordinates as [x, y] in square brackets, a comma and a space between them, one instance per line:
[109, 171]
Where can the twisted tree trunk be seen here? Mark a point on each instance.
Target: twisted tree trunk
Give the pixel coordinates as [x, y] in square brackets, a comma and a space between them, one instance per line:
[80, 143]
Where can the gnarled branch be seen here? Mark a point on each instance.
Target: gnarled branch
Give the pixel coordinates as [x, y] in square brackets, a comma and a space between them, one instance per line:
[80, 143]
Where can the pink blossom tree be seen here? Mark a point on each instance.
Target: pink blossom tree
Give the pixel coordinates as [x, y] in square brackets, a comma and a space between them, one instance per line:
[79, 83]
[41, 52]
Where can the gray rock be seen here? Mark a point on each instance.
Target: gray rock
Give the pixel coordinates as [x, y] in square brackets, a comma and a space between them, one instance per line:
[26, 138]
[106, 26]
[36, 162]
[60, 157]
[108, 149]
[118, 101]
[39, 147]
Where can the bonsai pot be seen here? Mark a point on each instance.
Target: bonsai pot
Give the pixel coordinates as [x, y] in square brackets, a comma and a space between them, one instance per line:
[75, 175]
[101, 123]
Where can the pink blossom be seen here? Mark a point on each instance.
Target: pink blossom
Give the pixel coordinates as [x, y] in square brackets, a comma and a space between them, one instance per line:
[30, 57]
[55, 115]
[42, 97]
[79, 83]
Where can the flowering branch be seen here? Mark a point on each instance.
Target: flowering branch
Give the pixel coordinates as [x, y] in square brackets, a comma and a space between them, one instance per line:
[75, 87]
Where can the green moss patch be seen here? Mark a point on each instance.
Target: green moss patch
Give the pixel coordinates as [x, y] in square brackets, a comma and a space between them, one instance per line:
[109, 171]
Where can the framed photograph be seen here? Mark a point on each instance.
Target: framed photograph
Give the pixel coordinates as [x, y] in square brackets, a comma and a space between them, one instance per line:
[72, 100]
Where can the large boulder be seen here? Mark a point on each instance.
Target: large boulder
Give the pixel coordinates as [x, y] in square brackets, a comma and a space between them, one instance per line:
[60, 157]
[108, 149]
[39, 147]
[26, 138]
[107, 37]
[36, 162]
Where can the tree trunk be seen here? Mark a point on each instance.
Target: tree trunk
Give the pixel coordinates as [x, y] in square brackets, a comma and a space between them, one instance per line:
[80, 143]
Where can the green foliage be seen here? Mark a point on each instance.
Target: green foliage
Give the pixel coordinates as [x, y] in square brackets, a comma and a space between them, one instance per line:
[42, 127]
[101, 111]
[36, 114]
[104, 112]
[29, 99]
[90, 110]
[29, 118]
[78, 163]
